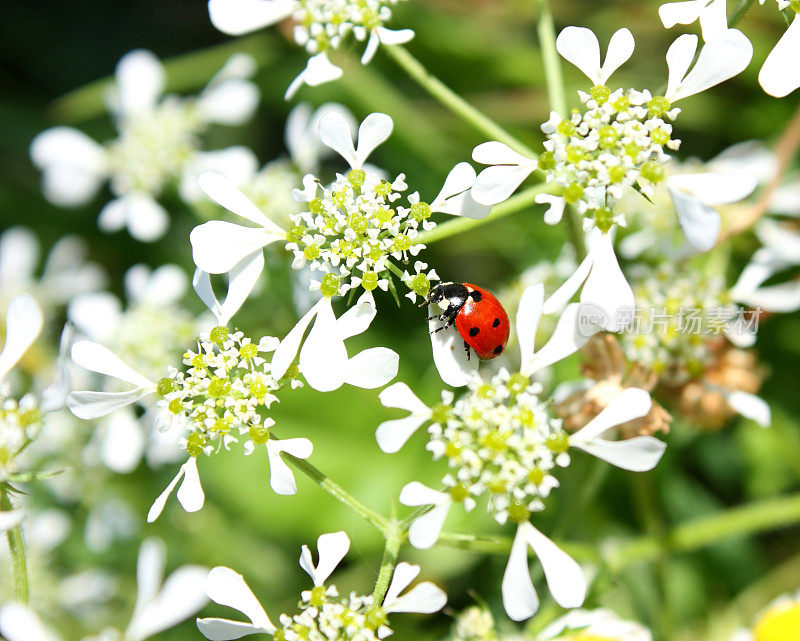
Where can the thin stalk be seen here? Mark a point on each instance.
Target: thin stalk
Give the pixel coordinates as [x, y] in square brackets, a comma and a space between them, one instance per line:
[460, 225]
[738, 11]
[452, 101]
[552, 63]
[16, 547]
[378, 521]
[572, 219]
[394, 539]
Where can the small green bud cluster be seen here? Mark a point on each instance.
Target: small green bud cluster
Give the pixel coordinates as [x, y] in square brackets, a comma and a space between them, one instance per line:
[354, 232]
[324, 616]
[499, 441]
[321, 24]
[224, 392]
[154, 146]
[679, 315]
[19, 422]
[618, 141]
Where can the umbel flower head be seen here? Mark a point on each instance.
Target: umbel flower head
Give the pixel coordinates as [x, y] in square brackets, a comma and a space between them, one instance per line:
[354, 233]
[320, 27]
[618, 139]
[159, 145]
[501, 443]
[158, 607]
[779, 75]
[222, 392]
[324, 614]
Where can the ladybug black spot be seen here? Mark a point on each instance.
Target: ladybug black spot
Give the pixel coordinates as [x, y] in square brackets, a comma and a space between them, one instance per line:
[474, 331]
[476, 295]
[498, 350]
[496, 322]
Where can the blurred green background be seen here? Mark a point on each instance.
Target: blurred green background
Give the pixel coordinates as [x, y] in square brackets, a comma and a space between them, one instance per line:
[486, 50]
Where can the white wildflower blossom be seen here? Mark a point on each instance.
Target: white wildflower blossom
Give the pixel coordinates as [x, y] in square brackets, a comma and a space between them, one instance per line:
[619, 139]
[320, 27]
[779, 621]
[159, 145]
[594, 624]
[324, 614]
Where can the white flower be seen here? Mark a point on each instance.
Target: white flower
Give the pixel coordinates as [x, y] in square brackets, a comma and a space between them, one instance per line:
[190, 493]
[579, 46]
[335, 132]
[778, 621]
[226, 587]
[302, 134]
[564, 576]
[24, 321]
[320, 25]
[158, 144]
[158, 607]
[323, 357]
[595, 623]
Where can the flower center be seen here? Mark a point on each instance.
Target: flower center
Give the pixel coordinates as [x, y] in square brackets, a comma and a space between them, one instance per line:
[779, 625]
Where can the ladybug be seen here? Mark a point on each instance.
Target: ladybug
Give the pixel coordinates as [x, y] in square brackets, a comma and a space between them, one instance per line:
[478, 316]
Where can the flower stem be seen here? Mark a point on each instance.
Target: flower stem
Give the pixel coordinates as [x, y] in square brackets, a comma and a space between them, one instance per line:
[449, 99]
[738, 11]
[459, 225]
[394, 539]
[552, 63]
[17, 548]
[380, 522]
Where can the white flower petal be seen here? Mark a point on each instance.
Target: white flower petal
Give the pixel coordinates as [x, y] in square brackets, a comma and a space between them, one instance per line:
[281, 478]
[620, 49]
[65, 146]
[395, 36]
[568, 337]
[425, 530]
[236, 17]
[319, 70]
[497, 153]
[424, 598]
[222, 191]
[555, 211]
[190, 493]
[358, 318]
[392, 435]
[241, 281]
[564, 576]
[719, 60]
[686, 12]
[780, 74]
[20, 623]
[113, 216]
[91, 405]
[332, 548]
[630, 404]
[638, 454]
[519, 595]
[230, 102]
[455, 197]
[450, 356]
[323, 357]
[528, 314]
[100, 359]
[372, 47]
[558, 299]
[371, 368]
[335, 132]
[24, 321]
[226, 587]
[161, 501]
[217, 246]
[238, 163]
[19, 256]
[750, 406]
[10, 519]
[163, 286]
[606, 289]
[700, 223]
[715, 188]
[579, 46]
[404, 574]
[286, 352]
[679, 58]
[495, 184]
[140, 81]
[375, 129]
[227, 630]
[146, 220]
[302, 134]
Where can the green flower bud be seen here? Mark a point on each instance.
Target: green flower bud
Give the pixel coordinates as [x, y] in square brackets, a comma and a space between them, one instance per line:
[566, 128]
[441, 413]
[375, 617]
[165, 386]
[608, 136]
[558, 442]
[458, 493]
[317, 596]
[420, 211]
[604, 219]
[219, 387]
[195, 443]
[250, 350]
[617, 173]
[660, 136]
[296, 233]
[356, 177]
[369, 281]
[259, 434]
[311, 252]
[600, 93]
[518, 513]
[575, 154]
[547, 160]
[518, 383]
[621, 104]
[316, 206]
[420, 285]
[329, 286]
[384, 215]
[652, 171]
[219, 335]
[536, 476]
[175, 406]
[402, 243]
[658, 106]
[573, 193]
[357, 223]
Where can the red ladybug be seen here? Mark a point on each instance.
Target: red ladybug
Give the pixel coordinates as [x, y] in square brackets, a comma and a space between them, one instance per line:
[479, 317]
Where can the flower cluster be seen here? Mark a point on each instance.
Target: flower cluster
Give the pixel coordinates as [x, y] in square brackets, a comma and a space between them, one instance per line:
[499, 441]
[678, 313]
[324, 615]
[19, 423]
[616, 143]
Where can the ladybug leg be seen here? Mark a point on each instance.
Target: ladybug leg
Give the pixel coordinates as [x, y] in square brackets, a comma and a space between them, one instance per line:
[466, 347]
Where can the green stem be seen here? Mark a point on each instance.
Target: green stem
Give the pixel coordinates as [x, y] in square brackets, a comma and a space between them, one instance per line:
[572, 219]
[394, 539]
[453, 102]
[762, 516]
[381, 523]
[552, 63]
[459, 225]
[17, 548]
[738, 11]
